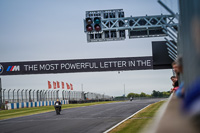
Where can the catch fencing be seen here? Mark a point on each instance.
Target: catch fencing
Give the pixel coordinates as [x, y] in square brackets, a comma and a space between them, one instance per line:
[32, 95]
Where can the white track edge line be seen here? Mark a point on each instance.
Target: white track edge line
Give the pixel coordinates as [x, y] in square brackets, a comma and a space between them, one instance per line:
[159, 116]
[124, 120]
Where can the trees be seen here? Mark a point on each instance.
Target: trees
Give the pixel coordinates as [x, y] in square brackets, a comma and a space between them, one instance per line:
[133, 95]
[160, 94]
[142, 94]
[154, 94]
[166, 93]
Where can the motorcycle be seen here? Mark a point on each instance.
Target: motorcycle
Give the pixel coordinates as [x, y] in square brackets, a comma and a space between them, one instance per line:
[57, 108]
[131, 99]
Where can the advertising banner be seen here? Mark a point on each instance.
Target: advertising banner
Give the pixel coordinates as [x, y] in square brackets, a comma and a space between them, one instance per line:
[78, 65]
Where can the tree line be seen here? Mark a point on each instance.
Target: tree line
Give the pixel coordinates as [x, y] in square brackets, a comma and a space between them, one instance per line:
[153, 94]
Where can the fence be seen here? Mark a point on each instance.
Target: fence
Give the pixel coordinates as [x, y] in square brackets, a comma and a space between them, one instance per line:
[30, 95]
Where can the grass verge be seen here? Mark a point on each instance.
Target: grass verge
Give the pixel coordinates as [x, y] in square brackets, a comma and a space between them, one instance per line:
[6, 114]
[138, 121]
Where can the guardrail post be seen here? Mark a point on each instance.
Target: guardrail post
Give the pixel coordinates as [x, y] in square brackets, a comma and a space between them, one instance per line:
[57, 94]
[53, 96]
[18, 95]
[50, 95]
[26, 95]
[40, 95]
[51, 92]
[37, 92]
[33, 95]
[13, 95]
[46, 94]
[63, 96]
[9, 95]
[43, 95]
[69, 95]
[4, 95]
[29, 95]
[22, 95]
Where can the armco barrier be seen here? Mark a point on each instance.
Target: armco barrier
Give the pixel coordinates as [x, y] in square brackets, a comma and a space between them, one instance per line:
[32, 104]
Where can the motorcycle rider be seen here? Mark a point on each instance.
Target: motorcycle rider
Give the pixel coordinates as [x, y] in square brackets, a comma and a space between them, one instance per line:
[58, 103]
[131, 98]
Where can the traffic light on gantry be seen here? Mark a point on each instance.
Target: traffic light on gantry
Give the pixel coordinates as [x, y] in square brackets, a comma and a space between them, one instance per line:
[89, 22]
[102, 25]
[93, 24]
[97, 22]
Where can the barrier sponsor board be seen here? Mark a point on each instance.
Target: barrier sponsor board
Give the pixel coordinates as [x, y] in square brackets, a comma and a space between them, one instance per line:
[78, 65]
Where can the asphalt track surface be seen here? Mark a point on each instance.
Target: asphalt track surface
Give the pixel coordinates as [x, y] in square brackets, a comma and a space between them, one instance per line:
[89, 119]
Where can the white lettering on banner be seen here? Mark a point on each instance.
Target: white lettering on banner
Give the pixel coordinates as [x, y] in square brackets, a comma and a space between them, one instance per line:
[78, 65]
[144, 62]
[31, 67]
[48, 67]
[94, 65]
[131, 63]
[87, 65]
[148, 62]
[84, 65]
[123, 63]
[64, 66]
[113, 64]
[73, 66]
[102, 66]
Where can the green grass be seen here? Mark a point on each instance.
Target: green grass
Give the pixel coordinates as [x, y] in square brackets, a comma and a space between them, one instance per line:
[6, 114]
[137, 122]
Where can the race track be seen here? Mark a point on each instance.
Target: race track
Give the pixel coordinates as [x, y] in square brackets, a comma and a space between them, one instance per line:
[90, 119]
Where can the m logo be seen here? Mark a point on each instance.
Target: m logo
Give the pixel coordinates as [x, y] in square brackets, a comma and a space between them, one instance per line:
[13, 68]
[1, 68]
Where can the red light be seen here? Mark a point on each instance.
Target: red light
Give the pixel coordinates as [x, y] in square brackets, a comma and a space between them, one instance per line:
[97, 27]
[89, 28]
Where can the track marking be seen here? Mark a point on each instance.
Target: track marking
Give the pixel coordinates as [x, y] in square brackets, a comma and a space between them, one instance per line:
[125, 120]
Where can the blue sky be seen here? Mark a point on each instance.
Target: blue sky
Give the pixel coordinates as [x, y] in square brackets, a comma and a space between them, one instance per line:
[53, 30]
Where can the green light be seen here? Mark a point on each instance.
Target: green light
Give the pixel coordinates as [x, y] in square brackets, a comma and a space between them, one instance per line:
[96, 20]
